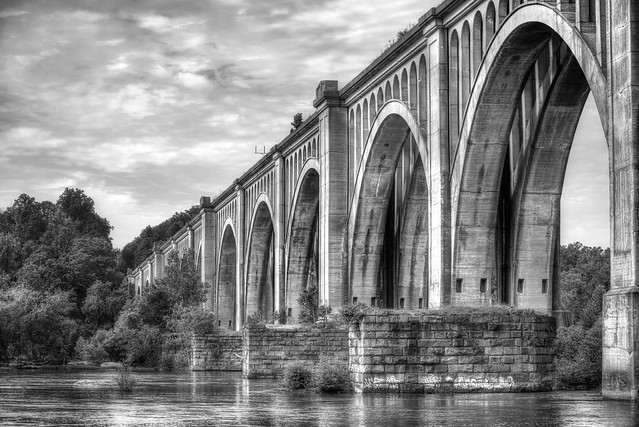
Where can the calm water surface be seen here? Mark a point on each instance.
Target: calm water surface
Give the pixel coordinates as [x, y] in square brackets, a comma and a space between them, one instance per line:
[190, 399]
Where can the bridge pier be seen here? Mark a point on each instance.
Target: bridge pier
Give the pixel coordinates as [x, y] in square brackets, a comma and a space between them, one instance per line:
[621, 303]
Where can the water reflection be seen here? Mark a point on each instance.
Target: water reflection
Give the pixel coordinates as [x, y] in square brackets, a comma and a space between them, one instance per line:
[189, 399]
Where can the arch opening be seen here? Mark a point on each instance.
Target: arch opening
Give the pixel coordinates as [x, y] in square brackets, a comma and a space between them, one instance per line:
[391, 201]
[260, 280]
[509, 186]
[226, 281]
[303, 244]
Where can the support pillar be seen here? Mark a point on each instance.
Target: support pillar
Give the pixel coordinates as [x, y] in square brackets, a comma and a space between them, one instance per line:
[208, 261]
[621, 303]
[240, 289]
[279, 227]
[333, 160]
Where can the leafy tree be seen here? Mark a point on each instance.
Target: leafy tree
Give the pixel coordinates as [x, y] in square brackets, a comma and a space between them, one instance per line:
[81, 210]
[585, 277]
[36, 325]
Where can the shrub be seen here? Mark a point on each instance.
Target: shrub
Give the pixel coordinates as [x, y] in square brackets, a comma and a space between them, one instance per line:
[352, 313]
[579, 356]
[330, 376]
[92, 350]
[124, 379]
[297, 376]
[308, 304]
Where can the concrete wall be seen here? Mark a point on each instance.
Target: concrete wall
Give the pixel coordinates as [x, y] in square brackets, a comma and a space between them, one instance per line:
[430, 353]
[269, 349]
[219, 351]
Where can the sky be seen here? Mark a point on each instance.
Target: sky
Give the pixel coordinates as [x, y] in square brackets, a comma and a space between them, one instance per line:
[147, 105]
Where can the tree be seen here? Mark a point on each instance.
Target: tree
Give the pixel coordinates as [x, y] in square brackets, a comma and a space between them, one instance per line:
[81, 210]
[297, 122]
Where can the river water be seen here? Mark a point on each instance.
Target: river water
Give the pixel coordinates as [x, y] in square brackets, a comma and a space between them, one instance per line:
[193, 399]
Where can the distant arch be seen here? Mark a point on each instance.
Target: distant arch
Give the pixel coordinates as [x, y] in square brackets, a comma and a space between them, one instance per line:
[227, 279]
[260, 280]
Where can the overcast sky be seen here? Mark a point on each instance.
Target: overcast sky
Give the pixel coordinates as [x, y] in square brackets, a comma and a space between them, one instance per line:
[148, 104]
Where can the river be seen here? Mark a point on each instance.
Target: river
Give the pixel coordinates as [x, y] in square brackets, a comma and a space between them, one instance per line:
[192, 399]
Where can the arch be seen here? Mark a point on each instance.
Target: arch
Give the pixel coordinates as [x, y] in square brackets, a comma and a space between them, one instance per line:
[304, 157]
[490, 22]
[504, 10]
[393, 127]
[351, 138]
[373, 109]
[422, 97]
[365, 120]
[453, 91]
[465, 69]
[227, 279]
[380, 99]
[412, 93]
[303, 240]
[260, 282]
[478, 41]
[477, 181]
[315, 148]
[396, 88]
[358, 134]
[404, 86]
[388, 95]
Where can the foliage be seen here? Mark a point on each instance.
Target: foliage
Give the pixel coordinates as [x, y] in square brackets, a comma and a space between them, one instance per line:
[585, 277]
[261, 318]
[579, 356]
[297, 376]
[135, 252]
[36, 326]
[308, 302]
[330, 376]
[352, 313]
[124, 379]
[92, 350]
[298, 119]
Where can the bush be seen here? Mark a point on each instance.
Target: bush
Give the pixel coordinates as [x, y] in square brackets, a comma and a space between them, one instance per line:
[352, 313]
[124, 379]
[297, 376]
[92, 350]
[330, 376]
[579, 356]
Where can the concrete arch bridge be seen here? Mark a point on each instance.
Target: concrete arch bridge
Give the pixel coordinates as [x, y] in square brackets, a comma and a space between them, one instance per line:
[434, 177]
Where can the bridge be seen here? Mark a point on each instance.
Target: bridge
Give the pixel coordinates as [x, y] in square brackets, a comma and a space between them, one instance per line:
[434, 177]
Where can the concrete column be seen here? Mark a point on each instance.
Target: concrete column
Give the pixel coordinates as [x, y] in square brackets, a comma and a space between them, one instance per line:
[279, 230]
[240, 290]
[158, 262]
[621, 303]
[208, 261]
[439, 185]
[333, 160]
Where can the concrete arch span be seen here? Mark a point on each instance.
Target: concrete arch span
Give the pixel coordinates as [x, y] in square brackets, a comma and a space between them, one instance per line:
[303, 239]
[506, 213]
[260, 297]
[226, 301]
[385, 197]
